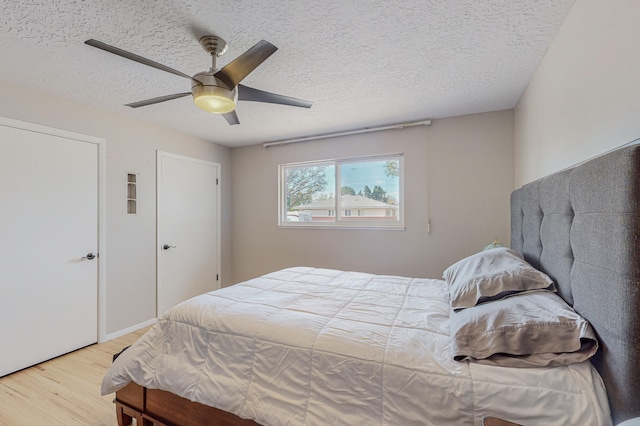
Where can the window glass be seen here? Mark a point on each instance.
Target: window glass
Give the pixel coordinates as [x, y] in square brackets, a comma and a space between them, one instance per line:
[372, 187]
[309, 192]
[369, 193]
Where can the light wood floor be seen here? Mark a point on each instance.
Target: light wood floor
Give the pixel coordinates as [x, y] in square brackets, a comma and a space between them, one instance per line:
[63, 391]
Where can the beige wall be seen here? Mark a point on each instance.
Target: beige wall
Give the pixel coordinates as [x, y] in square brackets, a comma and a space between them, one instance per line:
[130, 240]
[583, 98]
[458, 173]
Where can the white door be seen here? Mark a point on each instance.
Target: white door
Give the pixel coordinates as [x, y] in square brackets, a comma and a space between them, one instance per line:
[48, 222]
[188, 228]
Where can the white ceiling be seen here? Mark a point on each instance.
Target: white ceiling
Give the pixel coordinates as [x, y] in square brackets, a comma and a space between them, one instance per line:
[363, 63]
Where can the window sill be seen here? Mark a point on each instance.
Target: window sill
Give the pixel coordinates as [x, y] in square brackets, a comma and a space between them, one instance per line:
[349, 226]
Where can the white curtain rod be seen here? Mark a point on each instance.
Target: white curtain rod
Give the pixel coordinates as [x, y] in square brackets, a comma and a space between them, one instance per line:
[349, 132]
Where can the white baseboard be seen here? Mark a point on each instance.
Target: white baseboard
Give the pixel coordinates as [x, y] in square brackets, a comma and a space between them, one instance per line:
[128, 330]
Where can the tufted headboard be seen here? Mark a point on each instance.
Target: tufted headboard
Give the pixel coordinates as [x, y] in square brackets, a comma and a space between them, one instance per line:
[582, 227]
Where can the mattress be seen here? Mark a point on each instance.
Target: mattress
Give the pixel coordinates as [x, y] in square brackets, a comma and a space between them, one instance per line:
[309, 346]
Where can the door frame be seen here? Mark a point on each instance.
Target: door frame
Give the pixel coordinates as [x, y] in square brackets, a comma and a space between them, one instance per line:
[165, 154]
[101, 259]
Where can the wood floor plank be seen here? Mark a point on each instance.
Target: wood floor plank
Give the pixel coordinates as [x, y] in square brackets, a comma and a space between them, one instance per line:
[64, 391]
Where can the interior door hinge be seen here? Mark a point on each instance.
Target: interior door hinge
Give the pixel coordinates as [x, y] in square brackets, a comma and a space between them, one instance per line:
[217, 277]
[217, 183]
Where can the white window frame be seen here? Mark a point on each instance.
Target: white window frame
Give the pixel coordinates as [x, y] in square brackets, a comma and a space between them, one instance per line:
[337, 222]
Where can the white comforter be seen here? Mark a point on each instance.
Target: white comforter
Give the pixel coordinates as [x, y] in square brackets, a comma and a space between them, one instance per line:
[306, 346]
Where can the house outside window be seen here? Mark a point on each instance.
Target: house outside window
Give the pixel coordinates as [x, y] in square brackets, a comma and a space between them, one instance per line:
[369, 189]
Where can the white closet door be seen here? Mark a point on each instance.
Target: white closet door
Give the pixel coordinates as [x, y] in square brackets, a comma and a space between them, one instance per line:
[48, 222]
[188, 226]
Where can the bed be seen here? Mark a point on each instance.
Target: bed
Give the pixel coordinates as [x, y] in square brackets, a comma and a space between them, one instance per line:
[320, 346]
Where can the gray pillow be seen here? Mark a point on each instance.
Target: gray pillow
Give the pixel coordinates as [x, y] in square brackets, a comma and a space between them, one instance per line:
[534, 329]
[491, 275]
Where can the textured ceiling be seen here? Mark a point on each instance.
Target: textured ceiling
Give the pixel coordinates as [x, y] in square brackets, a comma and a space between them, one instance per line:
[363, 63]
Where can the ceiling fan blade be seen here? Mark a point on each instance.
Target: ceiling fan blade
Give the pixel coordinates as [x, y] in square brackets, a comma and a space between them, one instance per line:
[157, 100]
[246, 93]
[134, 57]
[233, 73]
[232, 118]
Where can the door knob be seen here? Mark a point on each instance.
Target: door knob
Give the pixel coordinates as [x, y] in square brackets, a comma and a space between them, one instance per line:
[89, 256]
[167, 247]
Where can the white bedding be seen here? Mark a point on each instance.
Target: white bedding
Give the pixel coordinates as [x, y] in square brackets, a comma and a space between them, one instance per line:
[306, 346]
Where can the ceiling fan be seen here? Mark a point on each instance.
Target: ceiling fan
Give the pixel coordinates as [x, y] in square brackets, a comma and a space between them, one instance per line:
[216, 91]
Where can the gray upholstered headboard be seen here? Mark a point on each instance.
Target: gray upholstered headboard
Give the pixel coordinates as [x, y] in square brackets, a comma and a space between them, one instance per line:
[582, 227]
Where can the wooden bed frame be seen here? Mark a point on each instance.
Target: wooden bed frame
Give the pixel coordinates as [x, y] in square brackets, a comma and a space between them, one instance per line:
[152, 407]
[582, 227]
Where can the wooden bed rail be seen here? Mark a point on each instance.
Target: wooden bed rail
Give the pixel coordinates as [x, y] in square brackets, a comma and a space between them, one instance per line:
[152, 407]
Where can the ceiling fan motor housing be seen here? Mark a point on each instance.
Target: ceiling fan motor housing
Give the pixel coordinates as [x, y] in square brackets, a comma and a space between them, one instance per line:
[211, 94]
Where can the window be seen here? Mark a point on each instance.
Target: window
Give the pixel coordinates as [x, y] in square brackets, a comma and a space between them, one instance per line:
[369, 193]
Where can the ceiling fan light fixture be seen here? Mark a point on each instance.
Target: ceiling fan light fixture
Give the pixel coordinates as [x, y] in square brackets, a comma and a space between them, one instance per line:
[217, 100]
[211, 95]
